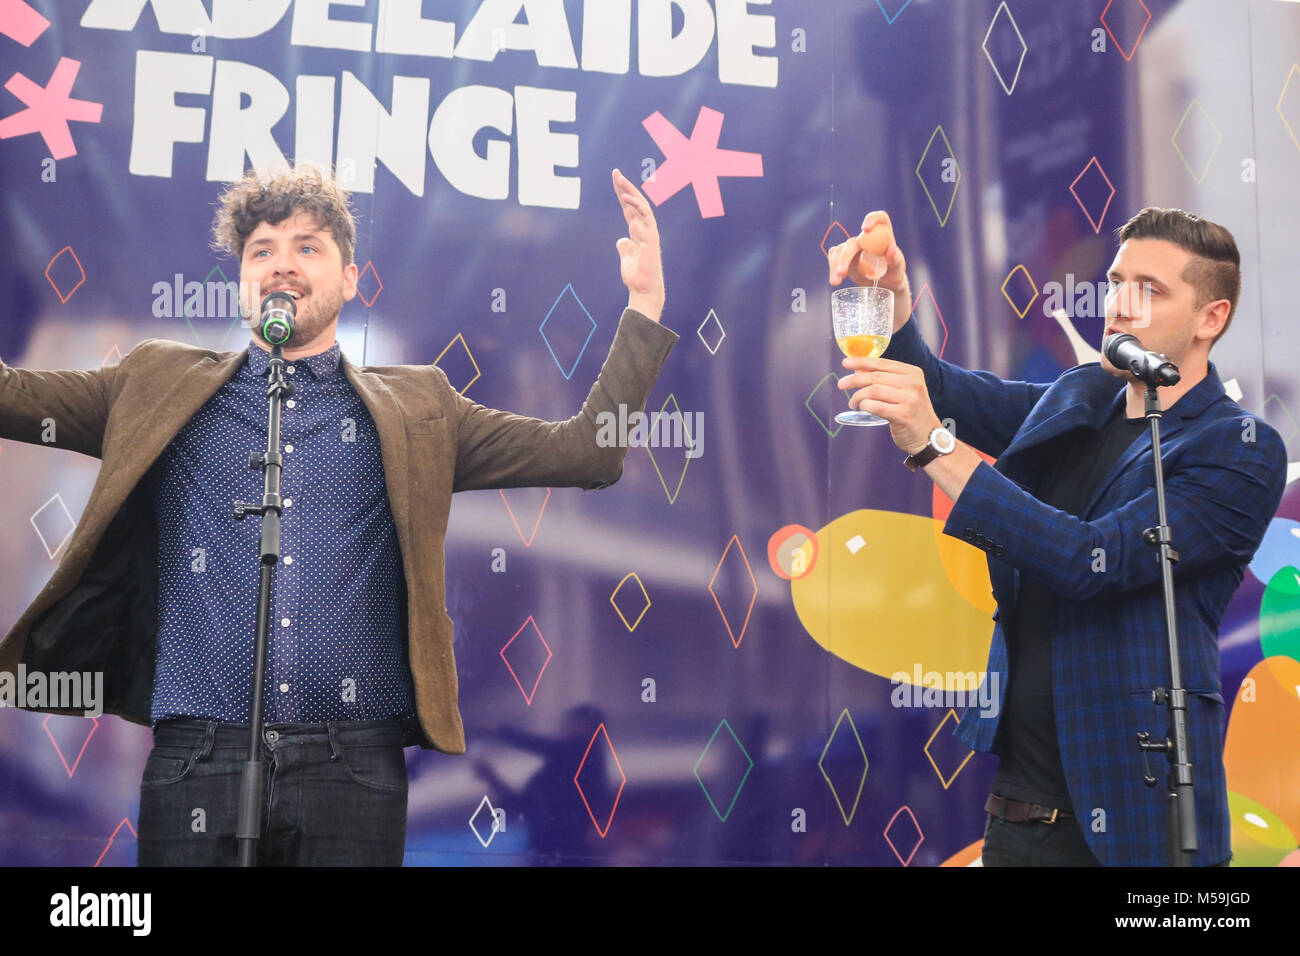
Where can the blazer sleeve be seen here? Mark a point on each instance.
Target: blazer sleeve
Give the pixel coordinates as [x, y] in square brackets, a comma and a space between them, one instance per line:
[1220, 498]
[496, 449]
[986, 410]
[75, 402]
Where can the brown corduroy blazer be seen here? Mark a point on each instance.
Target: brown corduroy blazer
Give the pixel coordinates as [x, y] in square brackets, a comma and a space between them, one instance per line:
[98, 612]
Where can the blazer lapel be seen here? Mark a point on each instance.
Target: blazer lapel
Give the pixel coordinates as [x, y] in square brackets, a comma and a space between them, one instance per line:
[1207, 391]
[175, 407]
[1087, 398]
[386, 411]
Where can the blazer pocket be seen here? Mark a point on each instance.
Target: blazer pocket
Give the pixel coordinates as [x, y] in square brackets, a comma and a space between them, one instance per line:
[425, 426]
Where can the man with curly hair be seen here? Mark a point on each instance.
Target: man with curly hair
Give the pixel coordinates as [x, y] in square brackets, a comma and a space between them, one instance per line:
[157, 589]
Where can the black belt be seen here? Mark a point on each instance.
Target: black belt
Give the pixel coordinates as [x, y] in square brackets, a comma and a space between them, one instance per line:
[1018, 811]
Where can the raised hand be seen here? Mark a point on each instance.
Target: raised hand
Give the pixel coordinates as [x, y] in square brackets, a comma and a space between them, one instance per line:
[640, 263]
[873, 251]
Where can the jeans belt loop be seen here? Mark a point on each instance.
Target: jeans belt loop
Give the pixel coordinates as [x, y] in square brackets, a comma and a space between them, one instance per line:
[336, 748]
[209, 740]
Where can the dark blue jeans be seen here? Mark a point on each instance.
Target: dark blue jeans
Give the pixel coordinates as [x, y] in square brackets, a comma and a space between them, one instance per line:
[1038, 844]
[333, 794]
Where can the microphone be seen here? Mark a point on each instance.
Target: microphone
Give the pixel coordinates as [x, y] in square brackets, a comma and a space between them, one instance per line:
[1125, 351]
[276, 324]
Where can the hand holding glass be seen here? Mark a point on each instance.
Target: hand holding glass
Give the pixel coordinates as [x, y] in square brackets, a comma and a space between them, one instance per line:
[864, 319]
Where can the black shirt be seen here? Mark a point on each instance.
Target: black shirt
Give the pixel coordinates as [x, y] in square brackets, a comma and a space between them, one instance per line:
[1071, 465]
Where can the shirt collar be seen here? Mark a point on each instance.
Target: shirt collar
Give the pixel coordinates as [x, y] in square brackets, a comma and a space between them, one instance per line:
[319, 366]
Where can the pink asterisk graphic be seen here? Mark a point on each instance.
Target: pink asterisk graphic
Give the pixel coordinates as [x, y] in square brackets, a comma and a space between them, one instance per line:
[21, 22]
[50, 109]
[697, 161]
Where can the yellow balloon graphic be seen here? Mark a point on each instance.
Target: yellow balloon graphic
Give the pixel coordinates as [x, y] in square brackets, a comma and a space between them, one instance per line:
[880, 598]
[1259, 837]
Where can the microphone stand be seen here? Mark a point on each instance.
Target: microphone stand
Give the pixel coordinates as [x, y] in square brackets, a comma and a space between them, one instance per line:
[1181, 798]
[248, 829]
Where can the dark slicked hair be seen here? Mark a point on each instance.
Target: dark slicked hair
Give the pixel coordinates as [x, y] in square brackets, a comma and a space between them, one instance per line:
[276, 195]
[1215, 270]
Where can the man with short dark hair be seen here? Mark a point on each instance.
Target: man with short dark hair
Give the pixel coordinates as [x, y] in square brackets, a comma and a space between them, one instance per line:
[158, 586]
[1079, 642]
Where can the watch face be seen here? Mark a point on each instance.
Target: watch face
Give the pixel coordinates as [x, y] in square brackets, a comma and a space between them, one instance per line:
[943, 441]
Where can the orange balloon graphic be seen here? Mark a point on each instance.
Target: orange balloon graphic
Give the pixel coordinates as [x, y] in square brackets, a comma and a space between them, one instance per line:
[1261, 752]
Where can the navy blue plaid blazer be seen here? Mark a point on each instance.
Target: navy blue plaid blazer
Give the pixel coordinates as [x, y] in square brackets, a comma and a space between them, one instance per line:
[1225, 471]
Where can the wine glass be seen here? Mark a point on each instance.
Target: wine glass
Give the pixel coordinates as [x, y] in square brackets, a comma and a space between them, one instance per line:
[863, 317]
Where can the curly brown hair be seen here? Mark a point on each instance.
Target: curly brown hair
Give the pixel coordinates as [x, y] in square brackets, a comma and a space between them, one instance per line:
[272, 196]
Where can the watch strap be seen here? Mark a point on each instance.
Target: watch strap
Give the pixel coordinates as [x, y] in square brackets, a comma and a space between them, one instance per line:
[922, 458]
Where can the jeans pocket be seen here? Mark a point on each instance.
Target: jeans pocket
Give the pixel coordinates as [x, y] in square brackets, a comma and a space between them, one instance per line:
[166, 766]
[375, 766]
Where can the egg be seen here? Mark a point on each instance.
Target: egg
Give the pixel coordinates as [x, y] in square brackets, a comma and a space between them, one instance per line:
[876, 240]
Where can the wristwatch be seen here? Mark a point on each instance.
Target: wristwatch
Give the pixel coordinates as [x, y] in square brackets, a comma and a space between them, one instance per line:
[941, 442]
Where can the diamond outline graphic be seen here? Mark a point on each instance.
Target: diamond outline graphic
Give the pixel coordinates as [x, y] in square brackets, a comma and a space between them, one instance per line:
[80, 282]
[1020, 313]
[937, 311]
[630, 627]
[528, 697]
[542, 329]
[888, 19]
[735, 796]
[94, 726]
[109, 845]
[1096, 223]
[735, 539]
[919, 832]
[866, 765]
[1295, 69]
[528, 542]
[829, 229]
[686, 459]
[1174, 140]
[496, 827]
[622, 780]
[370, 302]
[465, 346]
[817, 388]
[235, 320]
[59, 497]
[938, 131]
[926, 750]
[1024, 48]
[1119, 46]
[1274, 397]
[700, 332]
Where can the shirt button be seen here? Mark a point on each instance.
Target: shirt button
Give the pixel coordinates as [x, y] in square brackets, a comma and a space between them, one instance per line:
[289, 369]
[288, 448]
[284, 688]
[288, 560]
[284, 622]
[291, 403]
[288, 502]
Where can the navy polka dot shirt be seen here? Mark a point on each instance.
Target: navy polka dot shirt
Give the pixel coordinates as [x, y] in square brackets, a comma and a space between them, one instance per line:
[337, 638]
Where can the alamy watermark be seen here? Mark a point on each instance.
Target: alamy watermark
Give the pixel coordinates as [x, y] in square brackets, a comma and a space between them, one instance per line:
[1088, 300]
[56, 690]
[947, 689]
[131, 911]
[660, 430]
[210, 299]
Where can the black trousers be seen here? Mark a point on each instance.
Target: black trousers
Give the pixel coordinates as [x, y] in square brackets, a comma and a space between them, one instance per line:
[333, 794]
